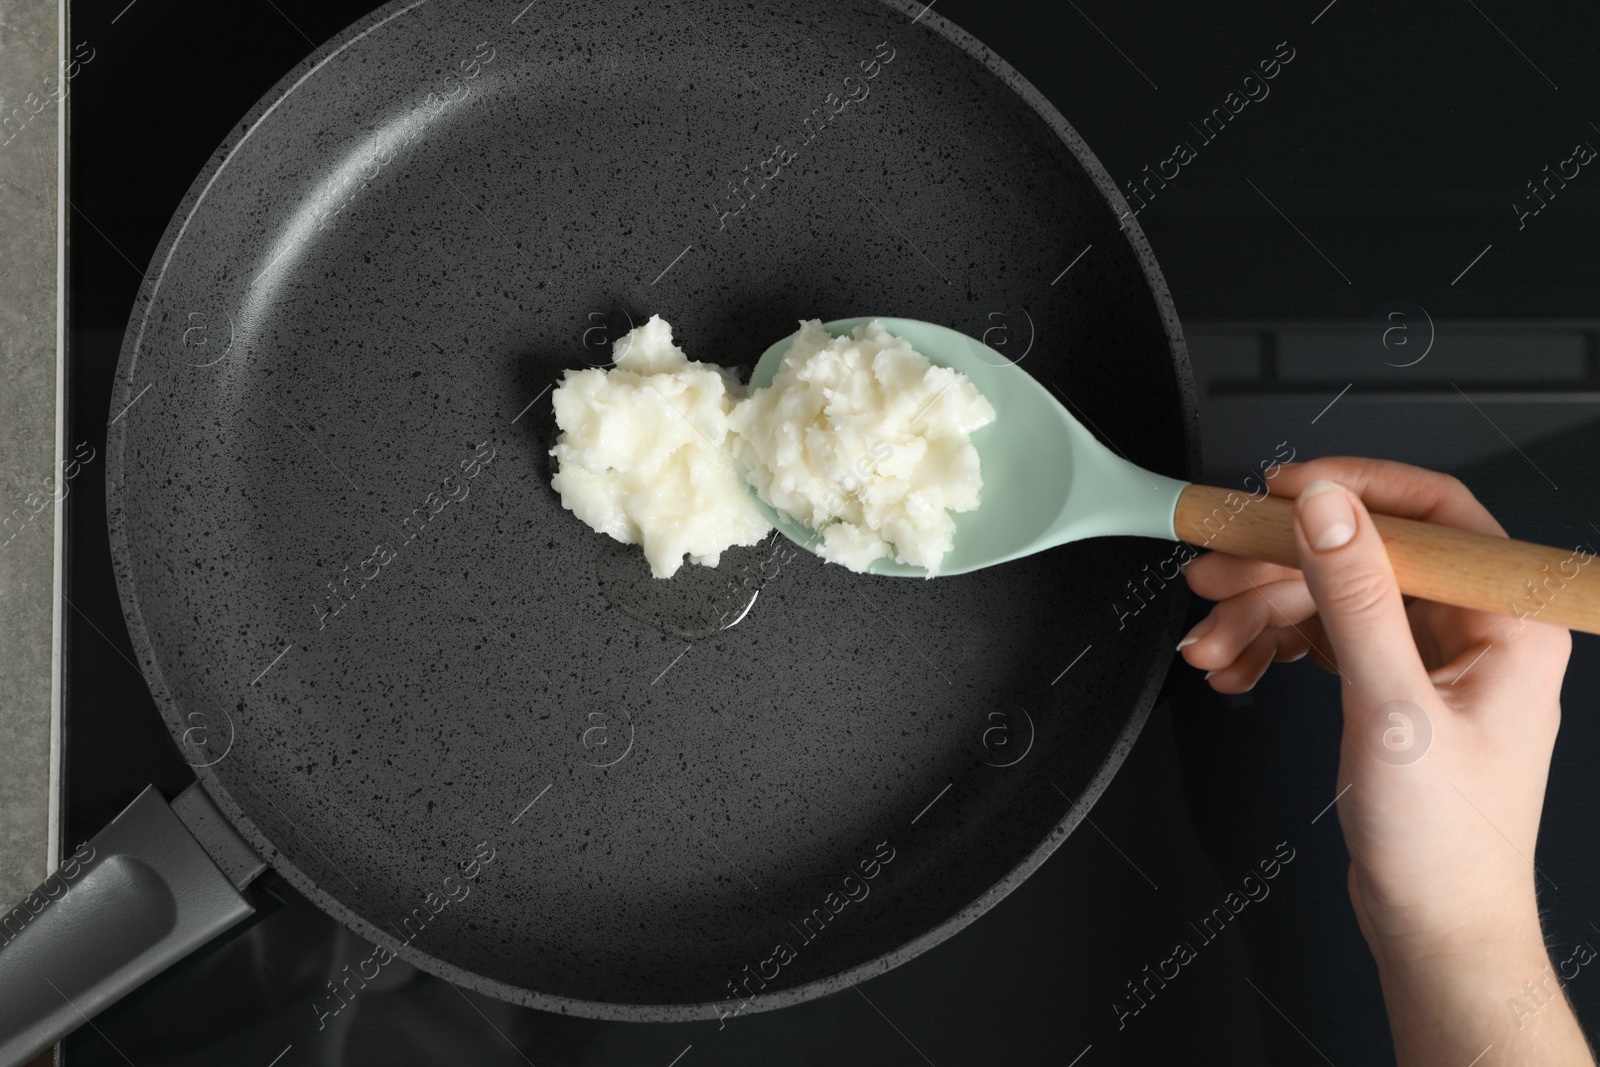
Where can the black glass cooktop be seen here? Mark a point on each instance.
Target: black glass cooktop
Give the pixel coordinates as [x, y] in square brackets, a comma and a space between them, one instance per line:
[1379, 225]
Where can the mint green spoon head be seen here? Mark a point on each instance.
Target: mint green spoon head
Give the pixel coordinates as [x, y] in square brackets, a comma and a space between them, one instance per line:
[1046, 479]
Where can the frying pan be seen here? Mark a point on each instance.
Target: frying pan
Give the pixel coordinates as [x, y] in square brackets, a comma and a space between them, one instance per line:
[454, 718]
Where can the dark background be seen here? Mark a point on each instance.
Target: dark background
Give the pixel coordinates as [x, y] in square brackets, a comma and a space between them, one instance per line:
[1396, 141]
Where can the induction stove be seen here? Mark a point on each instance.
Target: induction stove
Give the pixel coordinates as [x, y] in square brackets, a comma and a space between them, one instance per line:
[1354, 209]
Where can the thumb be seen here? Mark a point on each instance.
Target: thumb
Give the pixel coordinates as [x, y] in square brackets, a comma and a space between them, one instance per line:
[1347, 569]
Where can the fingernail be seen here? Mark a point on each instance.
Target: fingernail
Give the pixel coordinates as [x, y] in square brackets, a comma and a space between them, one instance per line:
[1209, 674]
[1326, 517]
[1201, 628]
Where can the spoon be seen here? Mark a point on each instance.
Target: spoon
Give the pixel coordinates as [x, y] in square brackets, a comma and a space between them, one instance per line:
[1048, 481]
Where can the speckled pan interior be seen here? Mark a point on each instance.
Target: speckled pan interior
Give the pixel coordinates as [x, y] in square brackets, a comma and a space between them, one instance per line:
[480, 734]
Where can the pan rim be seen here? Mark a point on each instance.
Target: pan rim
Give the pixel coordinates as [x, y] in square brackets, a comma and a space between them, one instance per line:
[122, 394]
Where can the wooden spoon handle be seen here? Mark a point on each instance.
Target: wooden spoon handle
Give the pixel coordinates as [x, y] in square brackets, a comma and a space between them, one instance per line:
[1440, 563]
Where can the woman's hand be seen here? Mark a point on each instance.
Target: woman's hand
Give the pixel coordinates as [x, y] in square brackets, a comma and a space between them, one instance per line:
[1450, 717]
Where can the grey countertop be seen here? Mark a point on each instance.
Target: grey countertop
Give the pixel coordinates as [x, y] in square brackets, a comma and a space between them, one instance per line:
[29, 143]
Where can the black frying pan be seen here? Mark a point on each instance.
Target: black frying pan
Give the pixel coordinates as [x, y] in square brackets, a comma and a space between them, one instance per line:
[471, 729]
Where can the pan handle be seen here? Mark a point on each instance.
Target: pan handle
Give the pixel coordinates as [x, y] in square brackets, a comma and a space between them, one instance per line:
[1439, 563]
[138, 897]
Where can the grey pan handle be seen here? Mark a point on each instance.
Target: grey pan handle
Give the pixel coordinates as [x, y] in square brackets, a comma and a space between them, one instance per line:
[148, 890]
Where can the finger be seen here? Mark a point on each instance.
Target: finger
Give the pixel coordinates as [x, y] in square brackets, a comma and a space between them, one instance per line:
[1293, 644]
[1348, 572]
[1321, 648]
[1428, 496]
[1443, 633]
[1243, 673]
[1353, 884]
[1218, 576]
[1221, 636]
[1390, 488]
